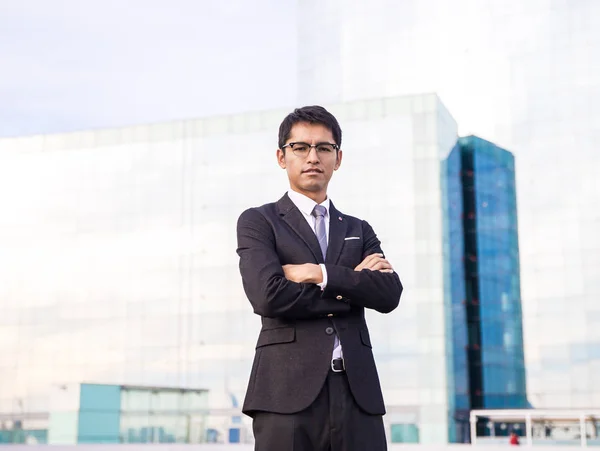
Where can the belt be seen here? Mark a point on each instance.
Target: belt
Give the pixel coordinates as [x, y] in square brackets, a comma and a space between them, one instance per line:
[338, 366]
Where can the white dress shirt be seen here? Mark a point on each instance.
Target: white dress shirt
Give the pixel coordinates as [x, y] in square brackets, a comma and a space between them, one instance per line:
[306, 205]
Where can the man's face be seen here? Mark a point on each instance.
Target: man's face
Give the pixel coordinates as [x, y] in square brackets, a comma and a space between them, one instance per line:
[310, 174]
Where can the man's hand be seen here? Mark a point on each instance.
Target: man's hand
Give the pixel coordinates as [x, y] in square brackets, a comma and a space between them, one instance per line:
[306, 273]
[375, 262]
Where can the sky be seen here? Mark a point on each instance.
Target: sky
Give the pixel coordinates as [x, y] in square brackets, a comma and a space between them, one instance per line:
[69, 64]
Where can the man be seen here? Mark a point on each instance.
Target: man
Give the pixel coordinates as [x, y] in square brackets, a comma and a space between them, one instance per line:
[310, 271]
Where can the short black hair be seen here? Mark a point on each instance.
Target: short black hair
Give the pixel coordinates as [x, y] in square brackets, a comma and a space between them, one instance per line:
[313, 115]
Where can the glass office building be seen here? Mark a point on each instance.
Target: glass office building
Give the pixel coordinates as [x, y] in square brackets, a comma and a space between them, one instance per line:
[119, 264]
[524, 75]
[100, 413]
[483, 279]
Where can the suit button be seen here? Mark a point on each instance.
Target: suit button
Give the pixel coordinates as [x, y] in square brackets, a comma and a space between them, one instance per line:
[339, 297]
[329, 330]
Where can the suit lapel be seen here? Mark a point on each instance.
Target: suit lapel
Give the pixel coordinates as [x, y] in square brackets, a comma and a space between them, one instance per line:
[337, 233]
[294, 218]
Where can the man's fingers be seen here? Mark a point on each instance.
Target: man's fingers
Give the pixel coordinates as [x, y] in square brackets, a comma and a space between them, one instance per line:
[376, 263]
[379, 265]
[370, 258]
[371, 261]
[368, 261]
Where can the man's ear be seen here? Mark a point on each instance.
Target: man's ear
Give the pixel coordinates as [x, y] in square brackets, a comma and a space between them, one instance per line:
[338, 160]
[281, 158]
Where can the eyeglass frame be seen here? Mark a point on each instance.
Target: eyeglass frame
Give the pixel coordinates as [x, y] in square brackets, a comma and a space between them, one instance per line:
[291, 146]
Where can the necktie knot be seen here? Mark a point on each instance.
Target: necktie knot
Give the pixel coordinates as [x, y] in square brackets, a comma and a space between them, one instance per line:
[319, 211]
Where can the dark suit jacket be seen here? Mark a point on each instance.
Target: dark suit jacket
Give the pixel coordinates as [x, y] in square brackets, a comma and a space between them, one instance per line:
[294, 348]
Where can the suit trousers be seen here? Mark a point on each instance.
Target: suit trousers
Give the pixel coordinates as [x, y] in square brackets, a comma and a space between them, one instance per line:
[333, 422]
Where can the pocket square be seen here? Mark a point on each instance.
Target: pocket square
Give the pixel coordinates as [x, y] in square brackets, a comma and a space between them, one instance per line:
[352, 238]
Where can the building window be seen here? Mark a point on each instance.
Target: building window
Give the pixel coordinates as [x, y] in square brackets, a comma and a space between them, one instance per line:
[404, 433]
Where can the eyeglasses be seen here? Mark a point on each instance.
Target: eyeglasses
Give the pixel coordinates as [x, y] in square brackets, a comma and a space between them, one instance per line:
[303, 149]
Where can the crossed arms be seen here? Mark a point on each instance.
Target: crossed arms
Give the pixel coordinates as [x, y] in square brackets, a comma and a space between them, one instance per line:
[291, 292]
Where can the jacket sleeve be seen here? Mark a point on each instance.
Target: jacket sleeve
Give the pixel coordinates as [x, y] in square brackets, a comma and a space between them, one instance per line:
[269, 292]
[370, 289]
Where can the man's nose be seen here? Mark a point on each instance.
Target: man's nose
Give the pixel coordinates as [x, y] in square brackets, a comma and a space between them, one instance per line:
[313, 155]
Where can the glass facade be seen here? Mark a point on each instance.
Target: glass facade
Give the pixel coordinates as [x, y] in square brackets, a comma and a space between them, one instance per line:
[162, 415]
[524, 75]
[498, 274]
[97, 413]
[119, 266]
[15, 434]
[483, 272]
[459, 395]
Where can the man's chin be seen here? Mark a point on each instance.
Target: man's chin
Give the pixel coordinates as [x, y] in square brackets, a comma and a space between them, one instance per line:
[312, 187]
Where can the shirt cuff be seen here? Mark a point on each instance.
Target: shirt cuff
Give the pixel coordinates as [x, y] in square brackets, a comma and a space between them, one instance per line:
[323, 284]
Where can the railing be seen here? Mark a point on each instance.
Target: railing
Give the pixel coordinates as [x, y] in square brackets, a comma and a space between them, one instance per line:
[577, 419]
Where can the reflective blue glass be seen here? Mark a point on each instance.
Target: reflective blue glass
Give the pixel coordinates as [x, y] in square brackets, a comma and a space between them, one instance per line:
[482, 269]
[498, 274]
[99, 414]
[404, 433]
[454, 268]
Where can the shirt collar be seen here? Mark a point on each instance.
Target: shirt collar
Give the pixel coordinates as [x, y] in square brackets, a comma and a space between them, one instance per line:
[306, 204]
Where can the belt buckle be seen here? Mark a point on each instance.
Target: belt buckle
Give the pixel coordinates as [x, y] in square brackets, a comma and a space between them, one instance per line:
[333, 366]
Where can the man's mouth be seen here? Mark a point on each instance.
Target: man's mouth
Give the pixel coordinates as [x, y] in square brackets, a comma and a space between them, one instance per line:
[312, 170]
